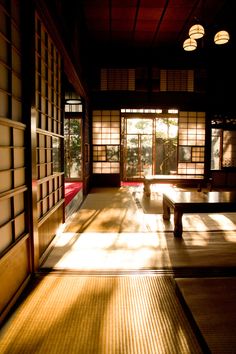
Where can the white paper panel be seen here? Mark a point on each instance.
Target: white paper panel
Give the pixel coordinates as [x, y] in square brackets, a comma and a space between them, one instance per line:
[5, 236]
[5, 163]
[19, 203]
[5, 207]
[19, 225]
[19, 157]
[19, 177]
[18, 137]
[5, 181]
[5, 136]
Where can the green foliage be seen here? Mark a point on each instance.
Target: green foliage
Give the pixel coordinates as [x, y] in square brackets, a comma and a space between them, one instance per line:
[73, 148]
[139, 149]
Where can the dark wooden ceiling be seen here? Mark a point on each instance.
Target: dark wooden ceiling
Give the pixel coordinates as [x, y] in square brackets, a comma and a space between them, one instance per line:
[122, 33]
[146, 24]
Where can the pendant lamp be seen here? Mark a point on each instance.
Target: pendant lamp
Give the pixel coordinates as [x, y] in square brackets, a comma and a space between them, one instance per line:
[196, 31]
[190, 44]
[221, 37]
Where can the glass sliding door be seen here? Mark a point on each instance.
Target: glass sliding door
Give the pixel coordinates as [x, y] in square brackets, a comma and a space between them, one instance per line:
[167, 143]
[138, 147]
[73, 148]
[131, 159]
[166, 135]
[223, 148]
[146, 150]
[216, 137]
[150, 146]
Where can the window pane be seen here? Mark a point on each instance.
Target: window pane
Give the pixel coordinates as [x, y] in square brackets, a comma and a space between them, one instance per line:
[73, 148]
[56, 152]
[229, 149]
[215, 149]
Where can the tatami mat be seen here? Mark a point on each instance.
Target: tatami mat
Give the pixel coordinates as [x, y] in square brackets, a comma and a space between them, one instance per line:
[212, 304]
[118, 210]
[103, 301]
[100, 314]
[111, 232]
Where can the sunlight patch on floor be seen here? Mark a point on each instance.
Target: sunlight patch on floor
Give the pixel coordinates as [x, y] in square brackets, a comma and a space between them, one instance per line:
[230, 237]
[108, 251]
[225, 221]
[192, 222]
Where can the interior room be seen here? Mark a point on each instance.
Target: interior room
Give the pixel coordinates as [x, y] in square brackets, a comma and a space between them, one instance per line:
[117, 176]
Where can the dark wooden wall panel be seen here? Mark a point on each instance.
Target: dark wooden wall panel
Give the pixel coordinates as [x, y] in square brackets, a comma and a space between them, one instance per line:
[48, 229]
[14, 274]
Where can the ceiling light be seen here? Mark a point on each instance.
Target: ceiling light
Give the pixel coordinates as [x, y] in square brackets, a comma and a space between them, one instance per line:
[190, 44]
[196, 31]
[221, 37]
[73, 101]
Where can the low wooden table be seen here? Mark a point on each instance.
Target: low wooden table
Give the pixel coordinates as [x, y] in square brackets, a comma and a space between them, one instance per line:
[196, 202]
[172, 179]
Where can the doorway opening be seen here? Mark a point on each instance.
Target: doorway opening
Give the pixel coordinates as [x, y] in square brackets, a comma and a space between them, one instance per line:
[73, 148]
[73, 152]
[149, 145]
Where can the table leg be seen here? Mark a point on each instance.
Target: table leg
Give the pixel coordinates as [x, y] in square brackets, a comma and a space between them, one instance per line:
[146, 188]
[178, 225]
[166, 210]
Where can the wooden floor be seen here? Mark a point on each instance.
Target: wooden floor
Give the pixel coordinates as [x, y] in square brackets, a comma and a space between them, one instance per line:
[118, 233]
[211, 302]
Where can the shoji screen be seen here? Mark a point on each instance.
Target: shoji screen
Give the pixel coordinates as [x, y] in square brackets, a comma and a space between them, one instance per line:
[117, 79]
[177, 80]
[49, 131]
[14, 233]
[12, 131]
[191, 144]
[106, 142]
